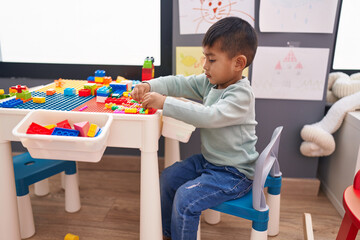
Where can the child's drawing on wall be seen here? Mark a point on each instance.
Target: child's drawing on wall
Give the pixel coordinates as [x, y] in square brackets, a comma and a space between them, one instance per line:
[189, 60]
[196, 16]
[289, 73]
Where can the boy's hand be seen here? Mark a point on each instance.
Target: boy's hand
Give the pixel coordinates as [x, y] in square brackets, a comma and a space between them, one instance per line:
[153, 100]
[139, 91]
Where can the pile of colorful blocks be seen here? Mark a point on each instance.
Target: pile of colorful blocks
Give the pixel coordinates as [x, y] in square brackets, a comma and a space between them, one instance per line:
[63, 128]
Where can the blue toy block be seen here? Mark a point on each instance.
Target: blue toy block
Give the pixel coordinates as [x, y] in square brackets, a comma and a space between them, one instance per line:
[99, 73]
[103, 91]
[69, 92]
[98, 132]
[29, 170]
[118, 87]
[11, 103]
[65, 132]
[91, 79]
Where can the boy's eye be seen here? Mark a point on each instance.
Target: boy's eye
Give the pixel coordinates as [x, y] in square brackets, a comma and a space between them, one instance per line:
[212, 60]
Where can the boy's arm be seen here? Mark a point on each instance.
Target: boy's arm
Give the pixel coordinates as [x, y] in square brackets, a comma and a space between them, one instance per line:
[180, 86]
[236, 107]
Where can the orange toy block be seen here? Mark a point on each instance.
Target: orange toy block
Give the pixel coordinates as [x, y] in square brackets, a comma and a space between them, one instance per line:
[50, 91]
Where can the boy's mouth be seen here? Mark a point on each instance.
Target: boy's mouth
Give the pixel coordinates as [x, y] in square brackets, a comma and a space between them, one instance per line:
[207, 75]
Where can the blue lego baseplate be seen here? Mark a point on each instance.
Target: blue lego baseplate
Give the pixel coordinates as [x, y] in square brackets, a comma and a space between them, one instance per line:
[54, 102]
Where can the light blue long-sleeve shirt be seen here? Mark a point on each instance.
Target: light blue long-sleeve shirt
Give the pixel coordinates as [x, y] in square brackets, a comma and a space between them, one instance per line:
[226, 118]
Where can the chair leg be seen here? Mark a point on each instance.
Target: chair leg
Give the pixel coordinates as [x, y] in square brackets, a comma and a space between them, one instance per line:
[41, 188]
[347, 229]
[72, 195]
[212, 216]
[258, 235]
[26, 218]
[273, 201]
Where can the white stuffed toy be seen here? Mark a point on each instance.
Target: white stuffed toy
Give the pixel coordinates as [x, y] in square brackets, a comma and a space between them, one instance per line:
[317, 137]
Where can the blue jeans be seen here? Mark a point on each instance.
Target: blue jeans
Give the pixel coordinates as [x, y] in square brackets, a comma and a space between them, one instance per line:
[191, 186]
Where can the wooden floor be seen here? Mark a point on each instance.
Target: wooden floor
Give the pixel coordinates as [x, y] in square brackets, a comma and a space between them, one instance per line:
[110, 193]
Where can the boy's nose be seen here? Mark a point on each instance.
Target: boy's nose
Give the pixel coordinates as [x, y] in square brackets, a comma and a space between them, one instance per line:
[205, 65]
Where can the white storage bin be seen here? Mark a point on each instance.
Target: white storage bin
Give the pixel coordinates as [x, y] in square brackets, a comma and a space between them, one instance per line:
[63, 147]
[176, 129]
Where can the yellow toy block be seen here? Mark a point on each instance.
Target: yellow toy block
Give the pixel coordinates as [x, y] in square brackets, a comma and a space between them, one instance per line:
[2, 91]
[92, 130]
[130, 110]
[70, 236]
[120, 79]
[126, 94]
[99, 79]
[109, 105]
[50, 126]
[39, 99]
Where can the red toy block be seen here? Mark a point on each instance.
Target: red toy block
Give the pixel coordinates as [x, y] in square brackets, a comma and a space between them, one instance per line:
[19, 88]
[64, 124]
[38, 129]
[84, 92]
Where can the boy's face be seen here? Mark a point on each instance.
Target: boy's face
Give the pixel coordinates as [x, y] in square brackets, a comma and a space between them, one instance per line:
[219, 68]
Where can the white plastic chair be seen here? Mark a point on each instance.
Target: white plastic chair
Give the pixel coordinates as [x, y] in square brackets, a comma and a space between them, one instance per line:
[253, 205]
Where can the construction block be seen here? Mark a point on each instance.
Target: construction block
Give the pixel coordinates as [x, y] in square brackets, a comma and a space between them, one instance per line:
[18, 88]
[3, 96]
[118, 87]
[35, 128]
[120, 78]
[50, 126]
[65, 132]
[82, 127]
[91, 86]
[131, 110]
[39, 99]
[103, 91]
[11, 103]
[64, 124]
[91, 79]
[99, 79]
[50, 92]
[107, 80]
[101, 99]
[59, 83]
[99, 73]
[84, 92]
[69, 91]
[93, 130]
[2, 91]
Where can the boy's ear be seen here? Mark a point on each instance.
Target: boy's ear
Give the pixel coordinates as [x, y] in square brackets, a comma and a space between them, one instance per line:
[240, 62]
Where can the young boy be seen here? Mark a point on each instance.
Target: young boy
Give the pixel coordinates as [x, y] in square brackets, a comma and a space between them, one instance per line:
[225, 168]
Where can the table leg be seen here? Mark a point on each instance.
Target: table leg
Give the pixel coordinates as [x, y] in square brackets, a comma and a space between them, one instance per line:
[150, 210]
[9, 218]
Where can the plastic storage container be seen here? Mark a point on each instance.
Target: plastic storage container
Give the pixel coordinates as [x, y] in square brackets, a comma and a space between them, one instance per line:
[62, 147]
[176, 129]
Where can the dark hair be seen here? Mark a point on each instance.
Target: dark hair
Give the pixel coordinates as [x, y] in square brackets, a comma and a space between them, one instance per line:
[237, 36]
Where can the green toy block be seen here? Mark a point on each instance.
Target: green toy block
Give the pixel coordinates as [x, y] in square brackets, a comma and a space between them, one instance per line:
[91, 86]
